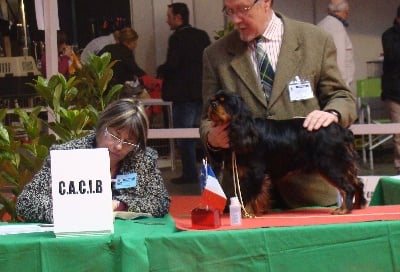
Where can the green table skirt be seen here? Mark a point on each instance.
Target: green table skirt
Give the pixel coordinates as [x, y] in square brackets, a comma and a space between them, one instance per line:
[125, 250]
[367, 246]
[387, 192]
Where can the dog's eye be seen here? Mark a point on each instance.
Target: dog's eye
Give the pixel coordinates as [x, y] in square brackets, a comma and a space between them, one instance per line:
[221, 99]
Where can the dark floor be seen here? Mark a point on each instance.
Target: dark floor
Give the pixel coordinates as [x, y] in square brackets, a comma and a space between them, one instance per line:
[383, 166]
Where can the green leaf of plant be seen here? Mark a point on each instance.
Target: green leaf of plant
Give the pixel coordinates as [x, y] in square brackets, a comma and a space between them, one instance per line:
[112, 94]
[4, 137]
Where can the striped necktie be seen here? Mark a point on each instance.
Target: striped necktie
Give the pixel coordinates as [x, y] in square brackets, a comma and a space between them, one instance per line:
[265, 69]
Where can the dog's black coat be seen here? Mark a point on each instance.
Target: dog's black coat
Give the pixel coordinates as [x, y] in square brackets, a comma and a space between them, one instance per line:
[277, 148]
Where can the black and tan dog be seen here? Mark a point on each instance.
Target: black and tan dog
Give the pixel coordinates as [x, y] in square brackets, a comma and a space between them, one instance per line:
[268, 151]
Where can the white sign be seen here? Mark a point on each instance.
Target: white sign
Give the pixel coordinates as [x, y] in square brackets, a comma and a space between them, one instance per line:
[370, 183]
[81, 189]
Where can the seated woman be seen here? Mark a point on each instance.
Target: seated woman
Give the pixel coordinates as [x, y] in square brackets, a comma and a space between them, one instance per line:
[126, 68]
[64, 55]
[122, 128]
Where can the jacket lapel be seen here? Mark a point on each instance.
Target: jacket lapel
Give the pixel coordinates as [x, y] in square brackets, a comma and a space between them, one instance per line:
[288, 62]
[240, 63]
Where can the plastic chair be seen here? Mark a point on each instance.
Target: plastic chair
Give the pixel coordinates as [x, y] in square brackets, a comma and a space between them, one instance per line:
[369, 89]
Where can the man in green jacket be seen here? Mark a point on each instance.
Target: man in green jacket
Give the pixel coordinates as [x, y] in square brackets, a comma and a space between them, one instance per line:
[299, 53]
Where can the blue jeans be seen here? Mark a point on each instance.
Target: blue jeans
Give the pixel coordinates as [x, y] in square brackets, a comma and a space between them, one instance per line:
[187, 115]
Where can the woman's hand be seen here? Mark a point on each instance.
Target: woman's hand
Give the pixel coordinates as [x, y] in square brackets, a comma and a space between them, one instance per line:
[68, 51]
[115, 204]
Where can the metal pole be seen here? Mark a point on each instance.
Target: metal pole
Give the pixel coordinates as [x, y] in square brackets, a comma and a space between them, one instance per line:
[74, 25]
[25, 49]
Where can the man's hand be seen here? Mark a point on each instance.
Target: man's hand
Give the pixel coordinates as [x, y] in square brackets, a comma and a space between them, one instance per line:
[317, 119]
[218, 136]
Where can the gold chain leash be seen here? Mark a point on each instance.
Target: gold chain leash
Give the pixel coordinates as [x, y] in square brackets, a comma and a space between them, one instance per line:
[236, 185]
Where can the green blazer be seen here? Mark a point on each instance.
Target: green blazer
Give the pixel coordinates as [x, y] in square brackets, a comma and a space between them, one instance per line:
[306, 51]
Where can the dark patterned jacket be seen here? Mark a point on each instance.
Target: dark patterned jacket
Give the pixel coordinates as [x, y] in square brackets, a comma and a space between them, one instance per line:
[150, 195]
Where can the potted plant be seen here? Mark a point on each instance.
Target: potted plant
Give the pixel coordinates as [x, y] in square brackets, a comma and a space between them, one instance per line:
[20, 157]
[73, 107]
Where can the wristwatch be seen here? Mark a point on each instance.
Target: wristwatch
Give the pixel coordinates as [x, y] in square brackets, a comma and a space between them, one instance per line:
[210, 147]
[213, 149]
[336, 113]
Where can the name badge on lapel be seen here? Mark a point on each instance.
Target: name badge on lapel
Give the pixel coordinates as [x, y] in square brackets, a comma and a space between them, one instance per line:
[125, 181]
[300, 90]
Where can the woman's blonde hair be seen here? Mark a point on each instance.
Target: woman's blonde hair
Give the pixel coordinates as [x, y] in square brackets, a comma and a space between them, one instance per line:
[127, 34]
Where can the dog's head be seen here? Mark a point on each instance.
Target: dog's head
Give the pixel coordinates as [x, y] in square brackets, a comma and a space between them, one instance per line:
[227, 107]
[224, 106]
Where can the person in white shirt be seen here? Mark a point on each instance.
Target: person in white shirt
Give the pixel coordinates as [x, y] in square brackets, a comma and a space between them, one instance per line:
[335, 24]
[95, 45]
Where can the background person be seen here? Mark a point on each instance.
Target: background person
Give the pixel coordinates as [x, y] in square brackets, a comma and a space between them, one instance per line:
[64, 55]
[182, 75]
[126, 68]
[296, 50]
[95, 45]
[122, 128]
[391, 79]
[335, 23]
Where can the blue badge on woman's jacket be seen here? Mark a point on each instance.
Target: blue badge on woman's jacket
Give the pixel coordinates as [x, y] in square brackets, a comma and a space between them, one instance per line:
[125, 181]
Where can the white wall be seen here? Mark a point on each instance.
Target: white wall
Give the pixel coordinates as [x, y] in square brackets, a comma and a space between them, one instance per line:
[368, 19]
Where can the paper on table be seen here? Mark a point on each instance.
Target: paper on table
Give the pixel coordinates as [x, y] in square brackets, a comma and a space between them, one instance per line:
[131, 215]
[24, 228]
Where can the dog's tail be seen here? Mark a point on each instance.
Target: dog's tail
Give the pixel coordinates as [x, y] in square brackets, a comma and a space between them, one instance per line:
[359, 197]
[350, 143]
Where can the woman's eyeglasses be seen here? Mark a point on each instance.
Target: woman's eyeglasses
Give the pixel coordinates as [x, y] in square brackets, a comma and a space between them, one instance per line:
[117, 140]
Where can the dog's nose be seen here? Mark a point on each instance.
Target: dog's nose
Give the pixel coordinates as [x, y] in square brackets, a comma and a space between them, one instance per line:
[214, 103]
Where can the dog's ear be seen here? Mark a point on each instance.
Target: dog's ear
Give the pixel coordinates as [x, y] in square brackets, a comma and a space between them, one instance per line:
[243, 112]
[214, 96]
[244, 135]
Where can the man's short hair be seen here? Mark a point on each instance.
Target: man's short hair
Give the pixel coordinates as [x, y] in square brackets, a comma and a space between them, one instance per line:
[337, 5]
[182, 10]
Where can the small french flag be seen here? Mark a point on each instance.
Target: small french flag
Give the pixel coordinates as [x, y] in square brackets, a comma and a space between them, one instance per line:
[212, 193]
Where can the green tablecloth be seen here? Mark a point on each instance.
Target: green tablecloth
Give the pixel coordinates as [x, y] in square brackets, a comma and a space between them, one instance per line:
[387, 192]
[125, 250]
[373, 246]
[369, 246]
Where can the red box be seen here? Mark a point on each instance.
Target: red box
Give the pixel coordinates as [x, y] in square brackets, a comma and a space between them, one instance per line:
[205, 218]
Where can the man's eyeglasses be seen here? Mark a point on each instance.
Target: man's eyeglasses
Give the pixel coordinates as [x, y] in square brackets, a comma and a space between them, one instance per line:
[239, 11]
[117, 140]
